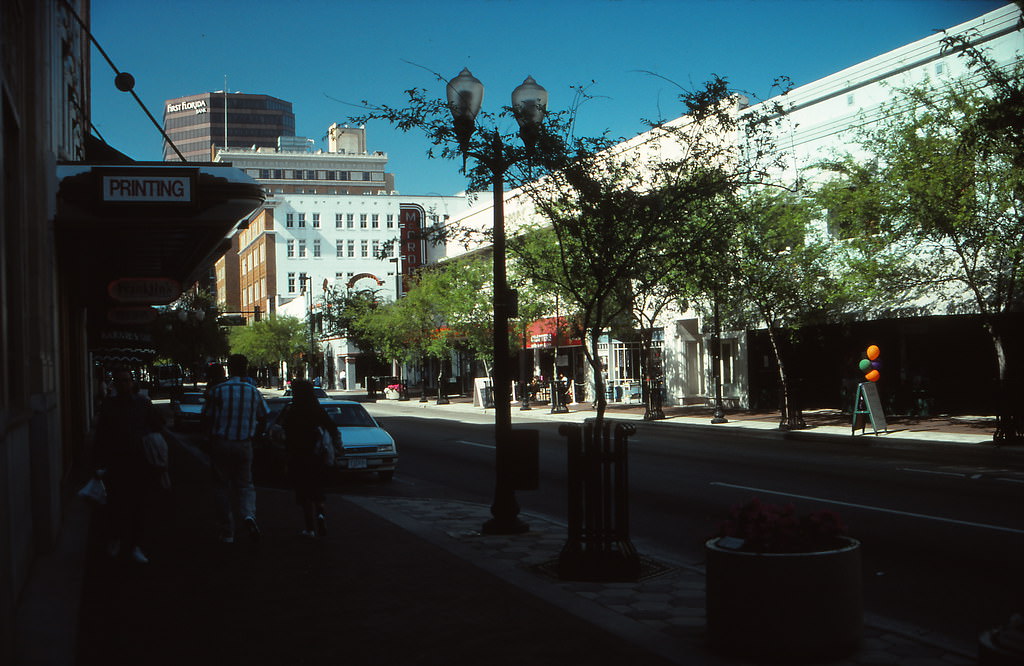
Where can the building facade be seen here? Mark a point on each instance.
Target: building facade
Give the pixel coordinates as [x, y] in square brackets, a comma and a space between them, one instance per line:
[820, 118]
[332, 221]
[199, 124]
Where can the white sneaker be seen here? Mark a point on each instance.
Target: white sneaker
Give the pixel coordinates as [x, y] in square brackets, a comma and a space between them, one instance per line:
[139, 556]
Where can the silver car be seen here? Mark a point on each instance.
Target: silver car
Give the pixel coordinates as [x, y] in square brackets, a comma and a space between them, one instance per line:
[367, 446]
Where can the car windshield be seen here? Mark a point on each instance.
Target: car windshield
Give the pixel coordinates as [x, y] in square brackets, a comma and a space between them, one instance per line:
[349, 416]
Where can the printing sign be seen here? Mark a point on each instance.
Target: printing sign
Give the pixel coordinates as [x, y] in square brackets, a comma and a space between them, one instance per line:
[147, 291]
[132, 188]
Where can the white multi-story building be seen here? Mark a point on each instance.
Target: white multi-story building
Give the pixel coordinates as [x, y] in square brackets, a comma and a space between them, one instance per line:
[821, 118]
[332, 221]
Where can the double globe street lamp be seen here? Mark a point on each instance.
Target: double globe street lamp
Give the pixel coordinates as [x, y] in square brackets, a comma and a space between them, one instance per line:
[529, 106]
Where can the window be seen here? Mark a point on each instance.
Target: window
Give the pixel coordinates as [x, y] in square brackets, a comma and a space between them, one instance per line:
[264, 173]
[376, 248]
[339, 277]
[727, 362]
[289, 220]
[302, 283]
[375, 221]
[337, 220]
[362, 221]
[351, 248]
[339, 248]
[364, 248]
[278, 173]
[291, 283]
[849, 100]
[291, 248]
[302, 220]
[316, 220]
[302, 248]
[316, 248]
[391, 221]
[350, 220]
[940, 68]
[343, 175]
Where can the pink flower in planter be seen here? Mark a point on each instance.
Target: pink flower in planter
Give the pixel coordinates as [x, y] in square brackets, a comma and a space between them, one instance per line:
[771, 528]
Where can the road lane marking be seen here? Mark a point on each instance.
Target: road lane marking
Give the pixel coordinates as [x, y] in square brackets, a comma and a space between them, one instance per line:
[469, 443]
[932, 471]
[910, 514]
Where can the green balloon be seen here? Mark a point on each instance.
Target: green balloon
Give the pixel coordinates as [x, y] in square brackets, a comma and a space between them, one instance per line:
[865, 365]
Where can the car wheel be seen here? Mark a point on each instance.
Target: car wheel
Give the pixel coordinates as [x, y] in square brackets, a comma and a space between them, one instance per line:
[386, 476]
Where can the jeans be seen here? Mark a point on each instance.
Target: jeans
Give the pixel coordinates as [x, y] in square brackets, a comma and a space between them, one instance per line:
[236, 497]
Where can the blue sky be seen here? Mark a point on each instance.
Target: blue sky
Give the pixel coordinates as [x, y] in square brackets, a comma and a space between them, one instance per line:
[326, 56]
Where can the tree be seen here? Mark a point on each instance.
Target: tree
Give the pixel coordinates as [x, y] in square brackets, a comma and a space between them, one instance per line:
[776, 269]
[951, 180]
[187, 332]
[271, 341]
[343, 313]
[623, 215]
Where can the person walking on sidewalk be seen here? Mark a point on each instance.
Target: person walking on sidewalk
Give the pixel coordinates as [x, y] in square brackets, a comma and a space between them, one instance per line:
[124, 419]
[302, 423]
[237, 409]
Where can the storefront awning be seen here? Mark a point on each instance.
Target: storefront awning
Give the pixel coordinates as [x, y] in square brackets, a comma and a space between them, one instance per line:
[552, 332]
[146, 220]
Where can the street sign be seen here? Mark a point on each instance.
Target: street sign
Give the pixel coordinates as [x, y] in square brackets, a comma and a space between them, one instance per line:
[231, 320]
[144, 291]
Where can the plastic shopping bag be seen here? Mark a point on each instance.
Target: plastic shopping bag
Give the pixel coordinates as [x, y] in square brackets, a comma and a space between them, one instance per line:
[94, 491]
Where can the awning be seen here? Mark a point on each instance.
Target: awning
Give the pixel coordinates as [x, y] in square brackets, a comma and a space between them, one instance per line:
[545, 333]
[146, 220]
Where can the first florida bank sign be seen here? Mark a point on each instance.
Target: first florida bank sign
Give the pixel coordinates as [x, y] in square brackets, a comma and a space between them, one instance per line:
[147, 188]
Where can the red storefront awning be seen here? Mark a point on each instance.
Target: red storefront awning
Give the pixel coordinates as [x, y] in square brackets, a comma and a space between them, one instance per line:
[550, 332]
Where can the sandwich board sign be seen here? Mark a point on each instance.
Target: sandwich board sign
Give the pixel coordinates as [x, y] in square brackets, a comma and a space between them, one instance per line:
[867, 405]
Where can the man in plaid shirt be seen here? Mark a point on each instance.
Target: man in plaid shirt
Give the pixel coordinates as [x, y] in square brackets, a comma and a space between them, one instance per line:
[237, 409]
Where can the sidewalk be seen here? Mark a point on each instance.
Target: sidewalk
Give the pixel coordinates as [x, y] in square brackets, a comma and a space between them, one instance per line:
[411, 580]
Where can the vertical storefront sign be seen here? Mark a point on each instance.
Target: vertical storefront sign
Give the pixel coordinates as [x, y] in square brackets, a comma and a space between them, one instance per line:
[410, 225]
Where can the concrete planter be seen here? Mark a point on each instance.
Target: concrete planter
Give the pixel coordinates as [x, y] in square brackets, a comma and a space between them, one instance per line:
[784, 607]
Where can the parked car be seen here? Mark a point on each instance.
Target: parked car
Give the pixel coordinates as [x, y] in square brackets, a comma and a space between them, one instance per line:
[187, 409]
[367, 446]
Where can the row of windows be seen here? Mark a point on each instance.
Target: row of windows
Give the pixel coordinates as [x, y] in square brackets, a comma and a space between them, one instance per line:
[342, 248]
[301, 279]
[372, 221]
[283, 125]
[313, 174]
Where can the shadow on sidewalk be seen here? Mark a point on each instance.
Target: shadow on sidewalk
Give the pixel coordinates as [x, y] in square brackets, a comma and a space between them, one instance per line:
[369, 592]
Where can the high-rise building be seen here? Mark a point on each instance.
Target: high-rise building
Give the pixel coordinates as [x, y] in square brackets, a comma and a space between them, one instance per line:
[199, 124]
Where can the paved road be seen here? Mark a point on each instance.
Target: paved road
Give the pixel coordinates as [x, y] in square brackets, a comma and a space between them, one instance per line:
[943, 533]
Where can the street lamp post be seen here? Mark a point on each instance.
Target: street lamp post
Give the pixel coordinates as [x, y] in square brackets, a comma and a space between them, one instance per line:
[718, 416]
[309, 300]
[529, 104]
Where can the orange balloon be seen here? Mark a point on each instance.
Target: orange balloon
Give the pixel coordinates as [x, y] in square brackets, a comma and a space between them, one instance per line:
[873, 376]
[873, 352]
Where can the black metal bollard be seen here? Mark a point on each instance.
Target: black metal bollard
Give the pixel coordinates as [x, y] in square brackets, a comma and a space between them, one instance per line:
[598, 547]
